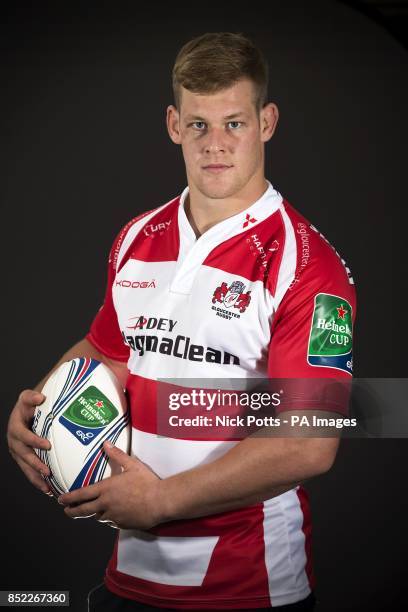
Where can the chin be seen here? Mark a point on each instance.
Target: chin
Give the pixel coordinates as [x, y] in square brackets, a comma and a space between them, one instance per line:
[218, 191]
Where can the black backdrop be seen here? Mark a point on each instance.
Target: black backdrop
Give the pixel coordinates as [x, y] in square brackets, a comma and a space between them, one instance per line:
[84, 148]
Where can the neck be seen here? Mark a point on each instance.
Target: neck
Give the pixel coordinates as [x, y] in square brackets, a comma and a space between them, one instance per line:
[204, 212]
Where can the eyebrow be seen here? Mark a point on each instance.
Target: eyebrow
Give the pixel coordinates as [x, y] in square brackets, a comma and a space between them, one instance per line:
[228, 117]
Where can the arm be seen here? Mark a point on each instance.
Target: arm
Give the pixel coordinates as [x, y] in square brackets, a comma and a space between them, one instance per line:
[254, 470]
[21, 440]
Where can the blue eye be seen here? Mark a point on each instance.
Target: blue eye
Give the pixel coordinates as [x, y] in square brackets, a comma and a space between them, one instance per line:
[200, 126]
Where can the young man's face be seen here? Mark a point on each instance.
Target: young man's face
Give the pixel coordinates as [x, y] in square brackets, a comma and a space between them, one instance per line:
[222, 137]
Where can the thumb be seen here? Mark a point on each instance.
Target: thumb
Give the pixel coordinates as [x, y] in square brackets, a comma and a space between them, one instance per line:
[118, 460]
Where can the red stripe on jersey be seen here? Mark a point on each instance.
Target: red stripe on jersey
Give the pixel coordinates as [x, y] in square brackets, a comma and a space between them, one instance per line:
[158, 239]
[226, 585]
[144, 392]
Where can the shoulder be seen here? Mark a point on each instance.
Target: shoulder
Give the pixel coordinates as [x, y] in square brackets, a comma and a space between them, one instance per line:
[130, 230]
[309, 263]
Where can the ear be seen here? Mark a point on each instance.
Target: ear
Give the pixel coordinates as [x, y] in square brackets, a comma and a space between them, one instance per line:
[173, 124]
[268, 119]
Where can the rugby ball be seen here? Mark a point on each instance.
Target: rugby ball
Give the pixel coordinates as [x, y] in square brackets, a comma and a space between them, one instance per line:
[85, 405]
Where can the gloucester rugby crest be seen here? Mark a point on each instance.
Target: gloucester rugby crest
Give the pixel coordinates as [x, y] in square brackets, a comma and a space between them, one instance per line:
[231, 297]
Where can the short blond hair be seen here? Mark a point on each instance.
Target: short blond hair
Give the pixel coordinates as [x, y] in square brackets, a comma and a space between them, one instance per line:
[217, 60]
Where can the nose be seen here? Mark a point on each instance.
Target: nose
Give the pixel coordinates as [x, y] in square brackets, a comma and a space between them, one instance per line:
[214, 142]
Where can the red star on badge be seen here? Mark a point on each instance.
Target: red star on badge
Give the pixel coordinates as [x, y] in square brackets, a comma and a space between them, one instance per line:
[99, 404]
[248, 220]
[341, 312]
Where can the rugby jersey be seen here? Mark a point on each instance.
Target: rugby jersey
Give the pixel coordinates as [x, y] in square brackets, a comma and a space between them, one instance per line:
[260, 294]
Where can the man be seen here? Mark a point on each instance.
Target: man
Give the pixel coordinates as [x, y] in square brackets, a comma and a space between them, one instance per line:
[226, 280]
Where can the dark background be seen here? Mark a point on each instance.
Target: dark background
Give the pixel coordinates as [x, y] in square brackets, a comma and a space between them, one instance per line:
[84, 148]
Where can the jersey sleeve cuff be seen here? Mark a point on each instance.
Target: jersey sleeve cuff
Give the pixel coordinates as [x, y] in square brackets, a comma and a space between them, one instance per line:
[111, 355]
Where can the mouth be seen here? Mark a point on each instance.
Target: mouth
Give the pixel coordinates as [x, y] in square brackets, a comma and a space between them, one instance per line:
[216, 168]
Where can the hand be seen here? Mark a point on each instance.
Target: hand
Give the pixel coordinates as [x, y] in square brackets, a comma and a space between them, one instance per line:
[21, 440]
[129, 499]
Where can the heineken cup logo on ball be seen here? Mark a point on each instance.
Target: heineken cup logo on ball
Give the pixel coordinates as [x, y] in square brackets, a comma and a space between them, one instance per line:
[88, 415]
[330, 341]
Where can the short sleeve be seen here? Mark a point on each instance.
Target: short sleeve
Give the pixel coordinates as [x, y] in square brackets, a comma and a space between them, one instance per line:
[312, 329]
[104, 332]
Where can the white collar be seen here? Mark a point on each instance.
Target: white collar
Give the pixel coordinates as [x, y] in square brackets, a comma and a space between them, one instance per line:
[266, 205]
[193, 251]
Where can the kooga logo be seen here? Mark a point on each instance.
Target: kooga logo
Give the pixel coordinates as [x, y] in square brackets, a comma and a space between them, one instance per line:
[136, 284]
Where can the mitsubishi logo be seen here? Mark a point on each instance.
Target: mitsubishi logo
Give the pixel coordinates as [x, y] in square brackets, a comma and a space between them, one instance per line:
[248, 220]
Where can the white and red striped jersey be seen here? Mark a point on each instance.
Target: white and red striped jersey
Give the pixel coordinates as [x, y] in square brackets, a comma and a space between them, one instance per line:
[260, 294]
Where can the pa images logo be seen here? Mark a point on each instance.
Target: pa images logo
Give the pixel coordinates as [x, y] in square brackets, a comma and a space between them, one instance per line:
[231, 297]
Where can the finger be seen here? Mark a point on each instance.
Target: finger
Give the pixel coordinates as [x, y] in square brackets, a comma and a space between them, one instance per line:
[30, 398]
[84, 510]
[23, 464]
[82, 495]
[115, 466]
[33, 476]
[29, 438]
[30, 457]
[27, 403]
[118, 460]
